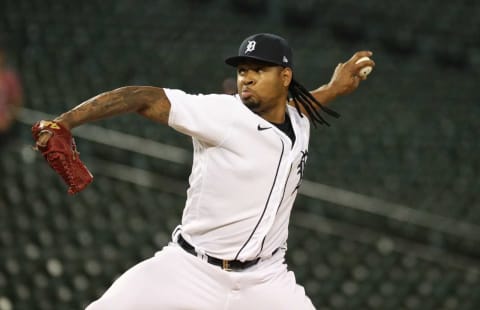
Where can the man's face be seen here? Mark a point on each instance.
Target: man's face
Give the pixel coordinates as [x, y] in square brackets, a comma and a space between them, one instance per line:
[262, 86]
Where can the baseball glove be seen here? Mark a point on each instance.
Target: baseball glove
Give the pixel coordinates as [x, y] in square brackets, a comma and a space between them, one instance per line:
[61, 154]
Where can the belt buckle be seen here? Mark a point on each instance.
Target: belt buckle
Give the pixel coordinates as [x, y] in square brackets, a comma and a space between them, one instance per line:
[226, 265]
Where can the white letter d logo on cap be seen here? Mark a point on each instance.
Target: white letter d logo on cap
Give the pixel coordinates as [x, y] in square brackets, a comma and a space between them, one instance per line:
[250, 46]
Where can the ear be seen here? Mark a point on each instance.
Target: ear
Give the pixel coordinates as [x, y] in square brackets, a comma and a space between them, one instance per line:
[286, 76]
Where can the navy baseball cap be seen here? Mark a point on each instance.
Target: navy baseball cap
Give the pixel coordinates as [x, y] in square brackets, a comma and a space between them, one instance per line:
[265, 47]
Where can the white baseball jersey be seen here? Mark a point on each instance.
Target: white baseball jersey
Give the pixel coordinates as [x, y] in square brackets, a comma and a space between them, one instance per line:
[244, 178]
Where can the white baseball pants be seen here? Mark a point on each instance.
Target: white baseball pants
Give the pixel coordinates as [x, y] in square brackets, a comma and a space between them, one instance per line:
[176, 280]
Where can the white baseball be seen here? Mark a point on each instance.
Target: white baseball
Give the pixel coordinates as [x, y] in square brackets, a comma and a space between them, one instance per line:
[365, 70]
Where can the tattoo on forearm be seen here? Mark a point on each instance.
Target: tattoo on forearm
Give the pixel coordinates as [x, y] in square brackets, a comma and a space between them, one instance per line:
[119, 101]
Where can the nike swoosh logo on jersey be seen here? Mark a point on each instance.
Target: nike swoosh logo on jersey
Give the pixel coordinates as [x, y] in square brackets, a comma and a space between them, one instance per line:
[260, 128]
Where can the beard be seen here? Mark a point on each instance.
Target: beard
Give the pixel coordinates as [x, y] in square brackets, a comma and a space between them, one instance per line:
[251, 103]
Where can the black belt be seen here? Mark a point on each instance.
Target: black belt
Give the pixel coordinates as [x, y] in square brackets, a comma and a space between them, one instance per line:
[227, 265]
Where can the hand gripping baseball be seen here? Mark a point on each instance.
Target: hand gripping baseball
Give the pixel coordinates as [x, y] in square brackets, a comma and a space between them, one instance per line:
[347, 76]
[61, 154]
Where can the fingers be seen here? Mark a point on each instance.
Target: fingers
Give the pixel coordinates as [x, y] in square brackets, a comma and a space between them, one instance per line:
[43, 138]
[358, 55]
[357, 79]
[362, 63]
[361, 54]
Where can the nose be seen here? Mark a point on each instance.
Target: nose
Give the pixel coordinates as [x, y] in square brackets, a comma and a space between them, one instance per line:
[248, 78]
[247, 81]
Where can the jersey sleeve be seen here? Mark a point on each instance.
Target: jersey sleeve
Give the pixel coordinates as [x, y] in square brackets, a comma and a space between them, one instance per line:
[205, 117]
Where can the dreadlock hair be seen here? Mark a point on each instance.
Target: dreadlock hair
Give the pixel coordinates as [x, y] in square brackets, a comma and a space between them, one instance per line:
[301, 96]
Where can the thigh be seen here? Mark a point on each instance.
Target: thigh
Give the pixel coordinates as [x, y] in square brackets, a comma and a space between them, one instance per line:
[280, 292]
[172, 279]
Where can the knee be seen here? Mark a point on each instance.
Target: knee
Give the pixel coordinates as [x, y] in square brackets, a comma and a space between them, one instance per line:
[99, 304]
[106, 303]
[92, 306]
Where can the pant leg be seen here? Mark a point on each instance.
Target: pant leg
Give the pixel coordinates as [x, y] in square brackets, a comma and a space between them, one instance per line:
[280, 292]
[172, 279]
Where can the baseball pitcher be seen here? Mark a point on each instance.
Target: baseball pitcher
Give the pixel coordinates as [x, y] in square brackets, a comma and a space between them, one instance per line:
[250, 151]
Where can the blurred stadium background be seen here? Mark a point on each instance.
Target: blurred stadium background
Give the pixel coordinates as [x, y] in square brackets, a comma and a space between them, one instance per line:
[389, 213]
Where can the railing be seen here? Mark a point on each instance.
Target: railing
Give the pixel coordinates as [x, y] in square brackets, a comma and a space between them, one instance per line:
[337, 196]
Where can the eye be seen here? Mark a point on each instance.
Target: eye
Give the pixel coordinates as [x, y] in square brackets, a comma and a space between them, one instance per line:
[241, 71]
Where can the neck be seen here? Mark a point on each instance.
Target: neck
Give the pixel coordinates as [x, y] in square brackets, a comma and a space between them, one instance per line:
[276, 116]
[274, 113]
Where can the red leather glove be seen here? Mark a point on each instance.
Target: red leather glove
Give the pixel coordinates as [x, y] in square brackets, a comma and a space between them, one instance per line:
[61, 154]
